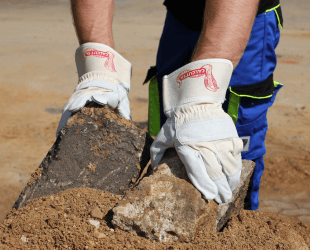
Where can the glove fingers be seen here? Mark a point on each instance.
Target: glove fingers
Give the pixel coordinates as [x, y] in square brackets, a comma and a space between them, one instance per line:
[79, 102]
[238, 146]
[162, 142]
[229, 156]
[110, 98]
[72, 98]
[224, 191]
[124, 108]
[95, 91]
[234, 180]
[196, 171]
[63, 120]
[215, 170]
[122, 93]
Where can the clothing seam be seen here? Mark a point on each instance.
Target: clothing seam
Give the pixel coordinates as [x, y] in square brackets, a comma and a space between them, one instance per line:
[275, 83]
[250, 96]
[234, 174]
[217, 138]
[271, 9]
[208, 120]
[264, 47]
[278, 19]
[194, 99]
[97, 75]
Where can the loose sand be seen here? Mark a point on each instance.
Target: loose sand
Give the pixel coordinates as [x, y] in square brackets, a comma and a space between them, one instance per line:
[71, 220]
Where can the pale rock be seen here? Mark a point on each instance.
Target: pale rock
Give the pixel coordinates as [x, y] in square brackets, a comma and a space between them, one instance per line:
[94, 223]
[165, 206]
[23, 238]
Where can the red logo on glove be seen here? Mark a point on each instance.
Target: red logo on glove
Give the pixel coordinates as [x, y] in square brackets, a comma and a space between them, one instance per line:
[206, 71]
[109, 63]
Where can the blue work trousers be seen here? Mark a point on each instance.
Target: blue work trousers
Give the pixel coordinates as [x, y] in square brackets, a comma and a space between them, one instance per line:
[256, 65]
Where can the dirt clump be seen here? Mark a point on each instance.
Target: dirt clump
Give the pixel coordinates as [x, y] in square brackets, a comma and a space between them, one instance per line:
[92, 167]
[34, 176]
[64, 221]
[96, 213]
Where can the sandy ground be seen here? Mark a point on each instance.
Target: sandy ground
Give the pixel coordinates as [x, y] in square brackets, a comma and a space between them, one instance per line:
[38, 75]
[80, 219]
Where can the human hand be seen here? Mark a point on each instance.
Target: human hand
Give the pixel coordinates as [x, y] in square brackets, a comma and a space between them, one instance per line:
[203, 135]
[104, 78]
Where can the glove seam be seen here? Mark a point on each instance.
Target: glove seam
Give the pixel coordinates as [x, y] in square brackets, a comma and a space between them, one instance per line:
[232, 175]
[97, 75]
[195, 99]
[219, 178]
[207, 121]
[210, 136]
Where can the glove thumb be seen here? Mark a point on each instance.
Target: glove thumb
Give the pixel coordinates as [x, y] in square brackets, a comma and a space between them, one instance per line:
[63, 120]
[162, 142]
[124, 109]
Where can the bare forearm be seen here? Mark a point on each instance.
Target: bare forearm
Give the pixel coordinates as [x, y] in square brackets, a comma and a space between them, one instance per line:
[226, 29]
[93, 20]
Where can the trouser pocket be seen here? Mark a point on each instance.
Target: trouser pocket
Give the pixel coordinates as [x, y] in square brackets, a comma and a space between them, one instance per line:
[248, 106]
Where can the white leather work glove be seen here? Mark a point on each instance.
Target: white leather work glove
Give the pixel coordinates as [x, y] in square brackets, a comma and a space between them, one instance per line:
[104, 78]
[203, 135]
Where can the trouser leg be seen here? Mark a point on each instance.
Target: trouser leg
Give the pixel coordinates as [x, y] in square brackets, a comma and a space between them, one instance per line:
[256, 65]
[251, 201]
[175, 49]
[257, 175]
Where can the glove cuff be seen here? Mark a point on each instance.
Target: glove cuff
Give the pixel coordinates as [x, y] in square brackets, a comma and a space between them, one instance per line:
[99, 61]
[203, 80]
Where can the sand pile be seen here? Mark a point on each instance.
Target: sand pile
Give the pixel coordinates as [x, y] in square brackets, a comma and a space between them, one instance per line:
[81, 219]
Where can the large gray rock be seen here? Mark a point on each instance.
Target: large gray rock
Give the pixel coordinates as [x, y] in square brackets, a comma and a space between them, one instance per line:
[97, 149]
[162, 208]
[165, 206]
